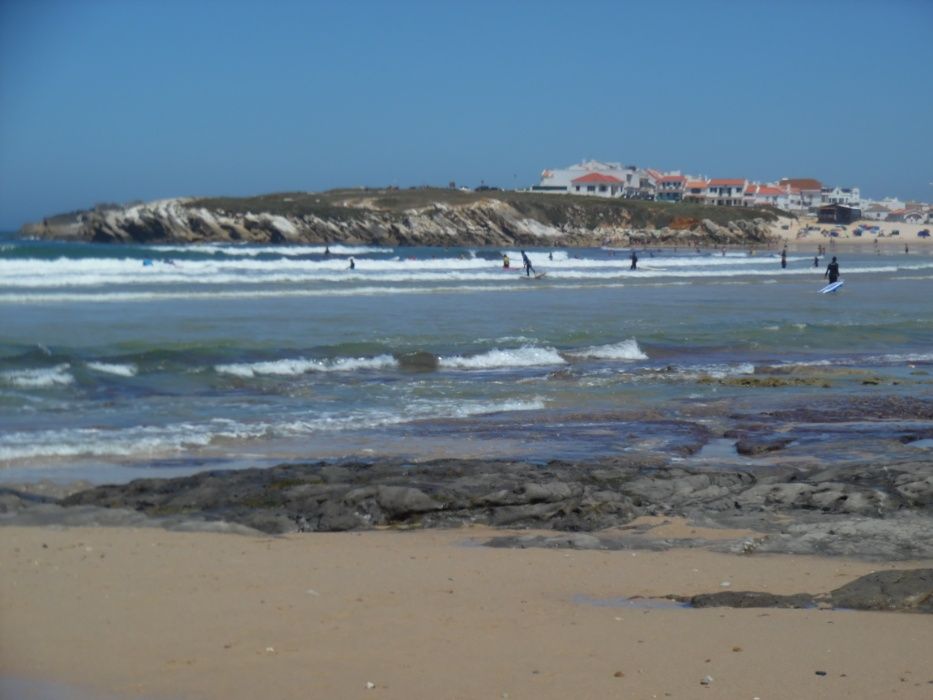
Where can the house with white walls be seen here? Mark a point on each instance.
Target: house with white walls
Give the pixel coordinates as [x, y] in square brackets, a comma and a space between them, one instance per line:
[757, 195]
[612, 181]
[598, 185]
[695, 190]
[804, 193]
[726, 192]
[670, 188]
[849, 196]
[875, 212]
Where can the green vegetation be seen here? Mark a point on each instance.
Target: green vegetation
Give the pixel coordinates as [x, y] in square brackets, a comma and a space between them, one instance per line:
[351, 204]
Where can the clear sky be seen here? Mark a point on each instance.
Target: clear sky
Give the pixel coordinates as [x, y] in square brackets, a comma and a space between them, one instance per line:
[119, 100]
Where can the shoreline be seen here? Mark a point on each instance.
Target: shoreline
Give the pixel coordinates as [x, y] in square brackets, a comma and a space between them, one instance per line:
[149, 613]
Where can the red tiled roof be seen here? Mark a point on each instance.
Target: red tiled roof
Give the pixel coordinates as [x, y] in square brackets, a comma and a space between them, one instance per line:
[598, 178]
[696, 184]
[802, 183]
[770, 191]
[726, 182]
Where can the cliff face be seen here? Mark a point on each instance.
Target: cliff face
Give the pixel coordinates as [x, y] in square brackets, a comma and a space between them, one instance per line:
[421, 217]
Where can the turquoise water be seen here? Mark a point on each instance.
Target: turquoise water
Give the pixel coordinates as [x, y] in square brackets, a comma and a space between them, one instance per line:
[123, 361]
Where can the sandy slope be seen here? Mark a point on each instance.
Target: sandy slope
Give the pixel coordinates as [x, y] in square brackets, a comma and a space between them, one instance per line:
[149, 613]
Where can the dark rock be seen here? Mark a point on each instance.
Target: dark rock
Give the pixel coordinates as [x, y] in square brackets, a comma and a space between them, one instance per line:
[752, 446]
[908, 590]
[749, 599]
[905, 591]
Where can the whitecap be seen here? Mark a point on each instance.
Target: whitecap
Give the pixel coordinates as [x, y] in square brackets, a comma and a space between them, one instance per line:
[296, 366]
[626, 350]
[527, 356]
[40, 378]
[127, 370]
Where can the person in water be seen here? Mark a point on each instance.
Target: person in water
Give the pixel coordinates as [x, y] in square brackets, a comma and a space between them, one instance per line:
[352, 264]
[634, 258]
[816, 261]
[326, 251]
[784, 259]
[505, 261]
[527, 263]
[832, 271]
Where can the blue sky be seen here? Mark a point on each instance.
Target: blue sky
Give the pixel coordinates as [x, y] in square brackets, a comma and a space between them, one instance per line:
[118, 100]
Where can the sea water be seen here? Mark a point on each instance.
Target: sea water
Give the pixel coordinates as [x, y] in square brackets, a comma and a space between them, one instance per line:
[128, 360]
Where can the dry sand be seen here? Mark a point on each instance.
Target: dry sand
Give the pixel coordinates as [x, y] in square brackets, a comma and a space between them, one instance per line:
[427, 614]
[805, 234]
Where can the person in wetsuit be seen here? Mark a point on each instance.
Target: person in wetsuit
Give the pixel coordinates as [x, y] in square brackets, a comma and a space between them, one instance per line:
[634, 258]
[832, 271]
[527, 263]
[784, 259]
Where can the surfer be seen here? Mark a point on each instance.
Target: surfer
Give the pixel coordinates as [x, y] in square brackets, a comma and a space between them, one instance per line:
[527, 263]
[634, 259]
[832, 271]
[784, 259]
[816, 261]
[505, 261]
[352, 264]
[326, 251]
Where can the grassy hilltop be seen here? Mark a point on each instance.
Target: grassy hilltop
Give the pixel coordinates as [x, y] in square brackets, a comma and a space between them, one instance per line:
[553, 209]
[417, 216]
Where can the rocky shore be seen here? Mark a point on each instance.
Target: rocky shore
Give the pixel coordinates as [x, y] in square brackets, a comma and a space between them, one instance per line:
[421, 217]
[862, 511]
[835, 477]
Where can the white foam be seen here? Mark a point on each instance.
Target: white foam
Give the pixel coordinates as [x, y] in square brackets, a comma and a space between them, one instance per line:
[527, 356]
[96, 272]
[141, 442]
[40, 378]
[626, 350]
[296, 366]
[127, 370]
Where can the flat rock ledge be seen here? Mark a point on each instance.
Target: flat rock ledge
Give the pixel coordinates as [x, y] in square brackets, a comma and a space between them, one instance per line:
[904, 590]
[863, 510]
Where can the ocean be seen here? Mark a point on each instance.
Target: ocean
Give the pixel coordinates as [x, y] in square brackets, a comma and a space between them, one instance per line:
[118, 362]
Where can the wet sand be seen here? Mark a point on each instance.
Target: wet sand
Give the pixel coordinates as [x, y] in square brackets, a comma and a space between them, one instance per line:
[428, 614]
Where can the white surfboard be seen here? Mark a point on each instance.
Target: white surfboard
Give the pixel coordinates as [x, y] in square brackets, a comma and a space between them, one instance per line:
[831, 287]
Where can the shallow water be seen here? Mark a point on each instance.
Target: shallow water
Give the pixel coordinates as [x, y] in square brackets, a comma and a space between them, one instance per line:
[122, 361]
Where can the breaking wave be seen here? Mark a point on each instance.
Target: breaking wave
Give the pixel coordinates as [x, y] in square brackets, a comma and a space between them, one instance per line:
[41, 378]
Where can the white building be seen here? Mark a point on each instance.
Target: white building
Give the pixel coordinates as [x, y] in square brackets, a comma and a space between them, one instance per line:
[875, 211]
[765, 195]
[726, 192]
[848, 196]
[574, 179]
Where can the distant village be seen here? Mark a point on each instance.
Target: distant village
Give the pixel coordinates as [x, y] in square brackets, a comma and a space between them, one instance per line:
[798, 195]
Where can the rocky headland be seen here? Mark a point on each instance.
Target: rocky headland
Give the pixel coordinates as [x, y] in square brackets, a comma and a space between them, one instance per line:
[415, 217]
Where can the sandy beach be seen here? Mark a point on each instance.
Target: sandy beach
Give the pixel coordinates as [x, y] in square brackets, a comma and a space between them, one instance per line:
[145, 613]
[805, 234]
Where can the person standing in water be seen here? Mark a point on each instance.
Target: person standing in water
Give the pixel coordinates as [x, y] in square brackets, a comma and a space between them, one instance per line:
[634, 258]
[832, 271]
[527, 263]
[784, 259]
[505, 261]
[352, 264]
